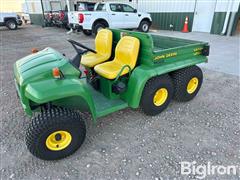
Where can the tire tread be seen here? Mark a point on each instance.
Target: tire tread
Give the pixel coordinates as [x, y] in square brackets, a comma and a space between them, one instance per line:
[42, 122]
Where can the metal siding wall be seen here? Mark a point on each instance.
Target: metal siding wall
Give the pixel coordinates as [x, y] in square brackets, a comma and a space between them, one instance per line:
[37, 19]
[169, 12]
[218, 22]
[47, 4]
[35, 10]
[34, 6]
[163, 20]
[237, 17]
[154, 6]
[11, 5]
[222, 6]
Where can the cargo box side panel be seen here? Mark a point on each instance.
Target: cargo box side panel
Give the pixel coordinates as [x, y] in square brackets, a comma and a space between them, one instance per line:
[178, 53]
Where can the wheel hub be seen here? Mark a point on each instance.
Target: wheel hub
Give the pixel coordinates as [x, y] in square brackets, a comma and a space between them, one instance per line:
[192, 85]
[145, 27]
[58, 137]
[12, 25]
[58, 140]
[160, 97]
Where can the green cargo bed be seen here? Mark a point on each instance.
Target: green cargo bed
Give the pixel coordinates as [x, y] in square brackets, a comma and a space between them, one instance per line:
[163, 42]
[157, 49]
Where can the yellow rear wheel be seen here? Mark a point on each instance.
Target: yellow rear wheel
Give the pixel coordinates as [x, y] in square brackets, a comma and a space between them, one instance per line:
[192, 85]
[187, 82]
[58, 140]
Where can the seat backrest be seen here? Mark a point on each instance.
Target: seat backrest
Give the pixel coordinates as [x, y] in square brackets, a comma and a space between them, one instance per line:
[103, 42]
[126, 52]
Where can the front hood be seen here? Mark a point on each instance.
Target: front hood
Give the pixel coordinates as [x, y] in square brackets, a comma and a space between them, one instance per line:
[38, 65]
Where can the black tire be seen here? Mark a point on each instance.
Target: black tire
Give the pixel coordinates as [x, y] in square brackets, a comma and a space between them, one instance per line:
[87, 32]
[144, 26]
[50, 121]
[11, 24]
[148, 103]
[181, 79]
[97, 27]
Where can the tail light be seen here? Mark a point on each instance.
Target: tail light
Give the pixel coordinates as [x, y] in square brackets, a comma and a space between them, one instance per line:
[80, 18]
[206, 50]
[61, 15]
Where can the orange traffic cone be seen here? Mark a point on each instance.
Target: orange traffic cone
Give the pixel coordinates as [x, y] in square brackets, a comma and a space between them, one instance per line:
[185, 27]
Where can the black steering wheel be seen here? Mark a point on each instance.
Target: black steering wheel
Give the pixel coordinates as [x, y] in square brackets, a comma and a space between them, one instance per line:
[77, 59]
[80, 51]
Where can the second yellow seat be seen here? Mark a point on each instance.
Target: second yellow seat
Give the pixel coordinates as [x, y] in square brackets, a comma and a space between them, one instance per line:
[126, 54]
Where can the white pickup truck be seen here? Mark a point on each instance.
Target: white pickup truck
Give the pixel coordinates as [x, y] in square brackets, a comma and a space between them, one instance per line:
[10, 20]
[109, 14]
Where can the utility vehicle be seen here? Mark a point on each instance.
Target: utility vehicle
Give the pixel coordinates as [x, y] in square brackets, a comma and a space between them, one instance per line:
[126, 69]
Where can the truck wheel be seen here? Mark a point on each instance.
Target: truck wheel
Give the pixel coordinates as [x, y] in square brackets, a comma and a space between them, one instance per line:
[11, 24]
[87, 32]
[157, 94]
[98, 27]
[144, 26]
[55, 134]
[187, 83]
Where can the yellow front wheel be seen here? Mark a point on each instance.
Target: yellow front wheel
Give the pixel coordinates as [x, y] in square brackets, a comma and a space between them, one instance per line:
[55, 134]
[58, 140]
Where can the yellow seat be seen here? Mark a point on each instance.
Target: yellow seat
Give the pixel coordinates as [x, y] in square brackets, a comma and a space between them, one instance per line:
[126, 53]
[103, 46]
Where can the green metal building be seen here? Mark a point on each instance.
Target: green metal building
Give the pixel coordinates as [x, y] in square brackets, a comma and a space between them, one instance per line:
[211, 16]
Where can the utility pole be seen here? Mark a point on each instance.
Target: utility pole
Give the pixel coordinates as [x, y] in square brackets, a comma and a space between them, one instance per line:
[43, 25]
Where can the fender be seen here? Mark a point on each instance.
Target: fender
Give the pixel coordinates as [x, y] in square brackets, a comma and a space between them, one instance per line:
[71, 93]
[9, 18]
[100, 19]
[145, 16]
[143, 73]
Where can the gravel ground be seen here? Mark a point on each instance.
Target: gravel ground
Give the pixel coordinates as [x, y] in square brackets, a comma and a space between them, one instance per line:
[126, 144]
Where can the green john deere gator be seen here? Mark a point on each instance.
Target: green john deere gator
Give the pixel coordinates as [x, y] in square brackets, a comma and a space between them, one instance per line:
[126, 69]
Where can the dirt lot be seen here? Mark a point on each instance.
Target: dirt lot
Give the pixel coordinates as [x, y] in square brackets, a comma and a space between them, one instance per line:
[126, 144]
